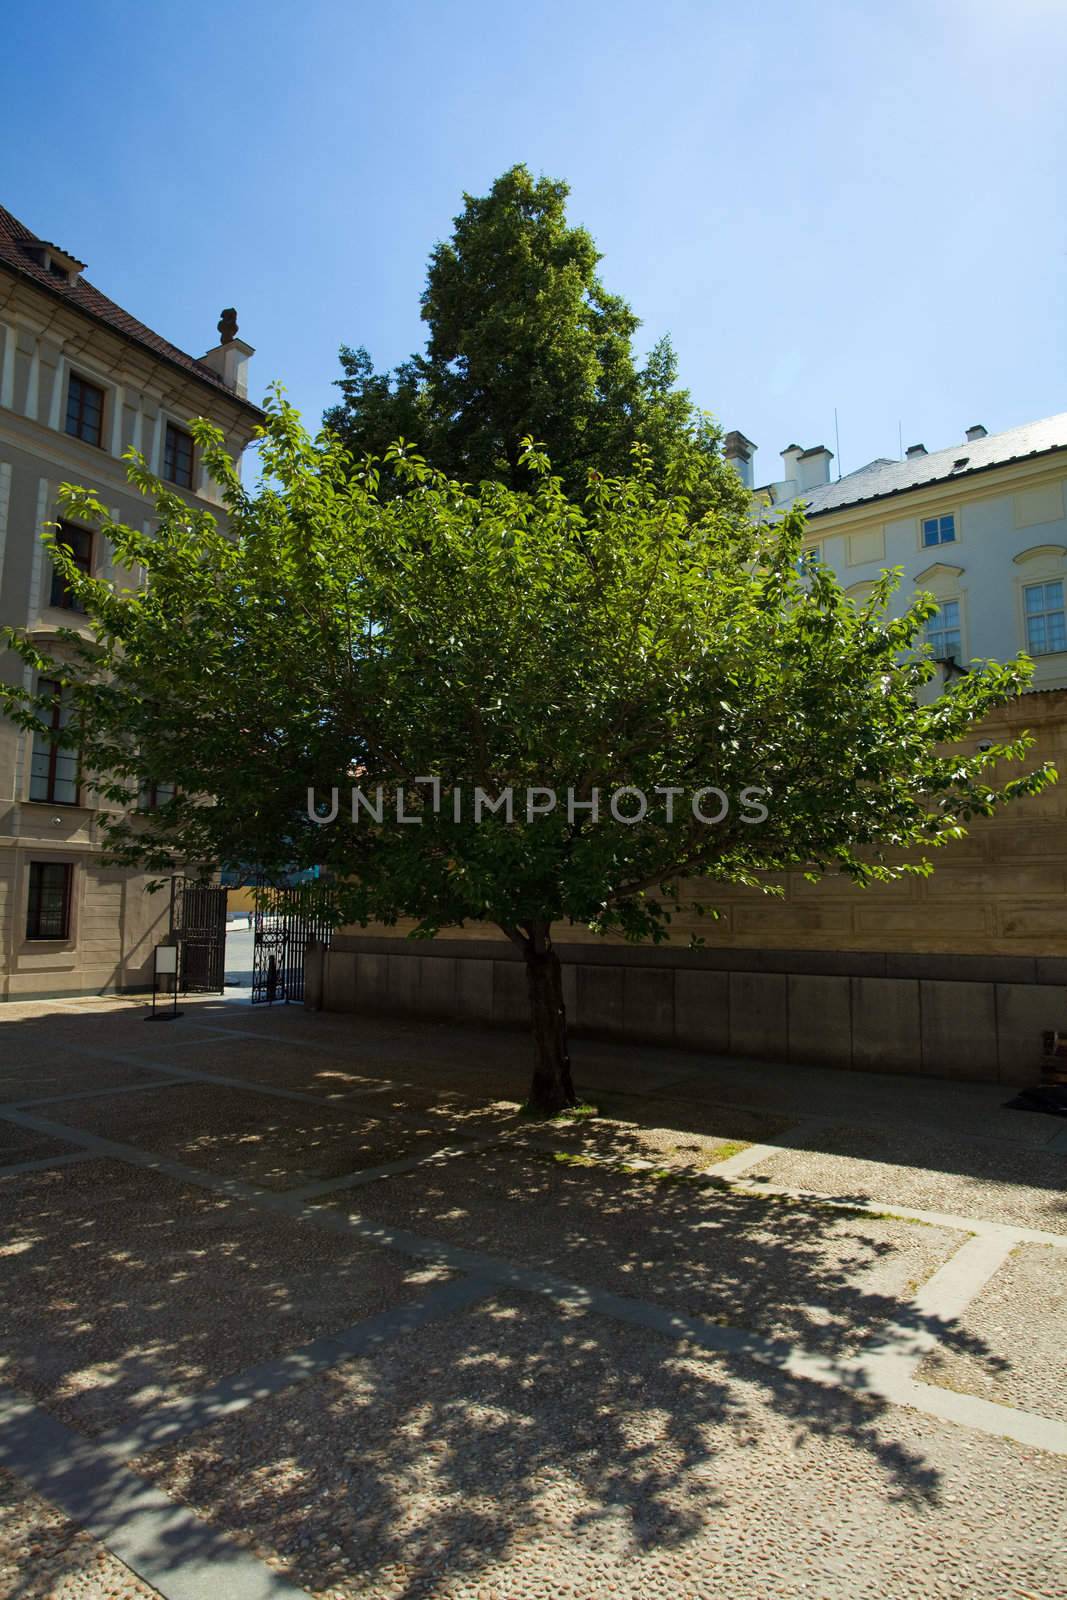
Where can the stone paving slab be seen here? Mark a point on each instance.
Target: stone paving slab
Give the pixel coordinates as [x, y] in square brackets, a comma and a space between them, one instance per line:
[123, 1286]
[165, 1544]
[274, 1142]
[1018, 1326]
[823, 1279]
[523, 1453]
[46, 1556]
[929, 1172]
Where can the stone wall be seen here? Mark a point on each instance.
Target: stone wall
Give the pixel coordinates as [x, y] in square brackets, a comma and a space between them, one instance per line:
[954, 975]
[953, 1017]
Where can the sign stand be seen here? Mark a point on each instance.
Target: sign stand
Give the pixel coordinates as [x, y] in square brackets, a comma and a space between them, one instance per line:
[166, 967]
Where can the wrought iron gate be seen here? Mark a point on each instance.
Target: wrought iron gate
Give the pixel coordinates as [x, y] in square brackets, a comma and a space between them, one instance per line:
[198, 923]
[286, 921]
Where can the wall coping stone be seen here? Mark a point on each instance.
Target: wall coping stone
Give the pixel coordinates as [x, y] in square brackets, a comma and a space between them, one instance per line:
[833, 963]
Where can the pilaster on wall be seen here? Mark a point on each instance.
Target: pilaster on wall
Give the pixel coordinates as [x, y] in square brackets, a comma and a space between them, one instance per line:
[7, 366]
[5, 504]
[35, 597]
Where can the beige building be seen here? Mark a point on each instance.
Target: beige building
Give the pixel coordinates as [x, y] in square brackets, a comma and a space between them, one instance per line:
[81, 380]
[958, 973]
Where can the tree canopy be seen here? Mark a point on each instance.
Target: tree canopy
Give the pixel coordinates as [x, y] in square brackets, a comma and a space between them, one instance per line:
[510, 641]
[524, 340]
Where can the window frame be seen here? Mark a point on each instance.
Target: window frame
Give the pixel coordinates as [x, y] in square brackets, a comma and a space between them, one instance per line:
[54, 753]
[84, 384]
[66, 602]
[943, 601]
[939, 543]
[1044, 613]
[177, 432]
[34, 911]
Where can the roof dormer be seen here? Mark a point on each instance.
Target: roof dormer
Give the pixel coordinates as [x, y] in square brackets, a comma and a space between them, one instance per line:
[55, 261]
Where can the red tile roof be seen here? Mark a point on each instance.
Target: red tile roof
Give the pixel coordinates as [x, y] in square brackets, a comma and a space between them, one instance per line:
[18, 248]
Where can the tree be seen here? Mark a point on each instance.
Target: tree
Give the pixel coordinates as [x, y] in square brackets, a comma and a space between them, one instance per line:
[524, 340]
[507, 642]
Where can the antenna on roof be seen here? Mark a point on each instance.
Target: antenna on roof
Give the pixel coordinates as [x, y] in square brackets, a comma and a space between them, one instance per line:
[900, 440]
[837, 445]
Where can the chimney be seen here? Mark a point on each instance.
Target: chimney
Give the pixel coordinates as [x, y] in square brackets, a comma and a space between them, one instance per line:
[814, 465]
[977, 432]
[230, 357]
[914, 450]
[791, 463]
[739, 452]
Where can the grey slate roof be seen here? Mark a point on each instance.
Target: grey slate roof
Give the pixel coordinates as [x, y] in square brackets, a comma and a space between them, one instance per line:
[883, 477]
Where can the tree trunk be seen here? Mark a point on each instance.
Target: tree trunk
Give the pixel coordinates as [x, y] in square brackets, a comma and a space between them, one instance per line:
[551, 1088]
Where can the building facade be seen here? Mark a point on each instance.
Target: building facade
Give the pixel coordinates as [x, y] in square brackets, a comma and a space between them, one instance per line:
[81, 381]
[981, 525]
[956, 974]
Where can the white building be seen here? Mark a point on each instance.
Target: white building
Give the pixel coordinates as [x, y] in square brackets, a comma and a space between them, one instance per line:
[81, 381]
[981, 525]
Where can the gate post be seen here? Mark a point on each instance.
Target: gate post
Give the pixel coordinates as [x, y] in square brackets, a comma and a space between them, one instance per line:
[314, 975]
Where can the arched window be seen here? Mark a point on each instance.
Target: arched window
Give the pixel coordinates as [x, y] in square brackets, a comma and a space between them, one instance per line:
[1043, 584]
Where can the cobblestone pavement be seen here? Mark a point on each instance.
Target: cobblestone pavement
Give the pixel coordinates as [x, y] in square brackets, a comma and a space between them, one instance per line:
[305, 1305]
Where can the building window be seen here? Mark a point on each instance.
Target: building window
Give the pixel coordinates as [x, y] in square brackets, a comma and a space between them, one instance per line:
[48, 908]
[1046, 622]
[53, 770]
[809, 559]
[943, 632]
[79, 542]
[85, 410]
[154, 795]
[938, 530]
[178, 457]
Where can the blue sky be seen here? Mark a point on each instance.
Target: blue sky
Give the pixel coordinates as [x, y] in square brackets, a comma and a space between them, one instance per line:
[826, 204]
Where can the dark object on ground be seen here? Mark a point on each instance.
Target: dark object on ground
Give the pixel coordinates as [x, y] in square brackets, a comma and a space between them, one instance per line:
[1054, 1063]
[1052, 1099]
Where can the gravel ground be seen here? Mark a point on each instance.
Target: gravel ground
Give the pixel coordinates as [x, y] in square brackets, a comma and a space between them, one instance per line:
[282, 1066]
[64, 1073]
[22, 1144]
[797, 1091]
[488, 1067]
[43, 1556]
[516, 1451]
[123, 1287]
[816, 1276]
[517, 1454]
[489, 1077]
[672, 1134]
[1017, 1323]
[278, 1143]
[434, 1052]
[931, 1173]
